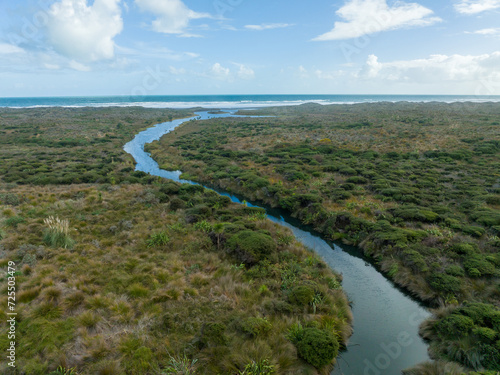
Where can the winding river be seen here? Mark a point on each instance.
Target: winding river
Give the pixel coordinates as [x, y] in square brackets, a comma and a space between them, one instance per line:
[386, 320]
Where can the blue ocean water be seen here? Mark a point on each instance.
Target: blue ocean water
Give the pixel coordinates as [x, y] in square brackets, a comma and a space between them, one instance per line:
[229, 101]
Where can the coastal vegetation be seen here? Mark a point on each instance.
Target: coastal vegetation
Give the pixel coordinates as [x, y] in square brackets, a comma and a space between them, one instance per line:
[416, 186]
[118, 272]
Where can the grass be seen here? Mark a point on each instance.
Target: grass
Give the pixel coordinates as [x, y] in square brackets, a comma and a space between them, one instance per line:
[134, 290]
[57, 233]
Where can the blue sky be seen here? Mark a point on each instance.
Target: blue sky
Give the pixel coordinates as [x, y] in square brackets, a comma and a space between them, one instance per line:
[174, 47]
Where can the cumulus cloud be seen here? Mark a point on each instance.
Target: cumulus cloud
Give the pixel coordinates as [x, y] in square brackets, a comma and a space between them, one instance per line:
[219, 72]
[222, 73]
[267, 26]
[173, 16]
[436, 68]
[364, 17]
[82, 32]
[245, 72]
[476, 6]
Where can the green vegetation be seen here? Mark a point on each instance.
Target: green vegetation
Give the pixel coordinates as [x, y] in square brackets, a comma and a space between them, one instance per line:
[315, 346]
[144, 289]
[57, 233]
[467, 334]
[64, 146]
[123, 273]
[416, 186]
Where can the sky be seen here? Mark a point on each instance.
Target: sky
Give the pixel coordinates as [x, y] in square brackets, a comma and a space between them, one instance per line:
[211, 47]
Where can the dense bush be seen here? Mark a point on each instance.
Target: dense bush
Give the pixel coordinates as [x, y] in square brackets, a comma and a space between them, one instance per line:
[317, 347]
[251, 247]
[301, 295]
[476, 266]
[445, 283]
[454, 325]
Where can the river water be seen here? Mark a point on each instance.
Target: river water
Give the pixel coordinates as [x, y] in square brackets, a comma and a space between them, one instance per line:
[385, 339]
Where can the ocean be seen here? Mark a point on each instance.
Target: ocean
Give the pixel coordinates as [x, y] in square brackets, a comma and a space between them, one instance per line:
[229, 101]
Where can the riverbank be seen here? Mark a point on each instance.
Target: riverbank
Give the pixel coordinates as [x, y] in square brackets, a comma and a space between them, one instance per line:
[350, 186]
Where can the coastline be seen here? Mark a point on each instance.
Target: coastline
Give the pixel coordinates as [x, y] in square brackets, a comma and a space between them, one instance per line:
[231, 101]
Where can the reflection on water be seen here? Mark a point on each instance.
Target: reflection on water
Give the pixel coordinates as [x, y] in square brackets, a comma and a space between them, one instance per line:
[385, 339]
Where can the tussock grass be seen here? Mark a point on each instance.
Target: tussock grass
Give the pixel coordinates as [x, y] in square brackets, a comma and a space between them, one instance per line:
[57, 233]
[435, 368]
[122, 309]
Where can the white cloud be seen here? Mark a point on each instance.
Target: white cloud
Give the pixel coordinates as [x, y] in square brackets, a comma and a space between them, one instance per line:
[222, 73]
[364, 17]
[436, 68]
[82, 32]
[476, 6]
[488, 32]
[78, 66]
[219, 72]
[245, 72]
[267, 26]
[173, 16]
[7, 49]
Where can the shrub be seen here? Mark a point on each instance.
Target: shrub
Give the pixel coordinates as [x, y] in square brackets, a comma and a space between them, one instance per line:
[203, 226]
[212, 334]
[454, 325]
[301, 295]
[480, 313]
[415, 261]
[492, 199]
[317, 347]
[14, 221]
[177, 203]
[445, 283]
[477, 266]
[256, 326]
[251, 247]
[158, 239]
[455, 270]
[473, 230]
[10, 199]
[169, 188]
[57, 233]
[464, 248]
[485, 334]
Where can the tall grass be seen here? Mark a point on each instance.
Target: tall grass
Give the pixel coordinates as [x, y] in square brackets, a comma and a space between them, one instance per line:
[180, 366]
[435, 368]
[57, 233]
